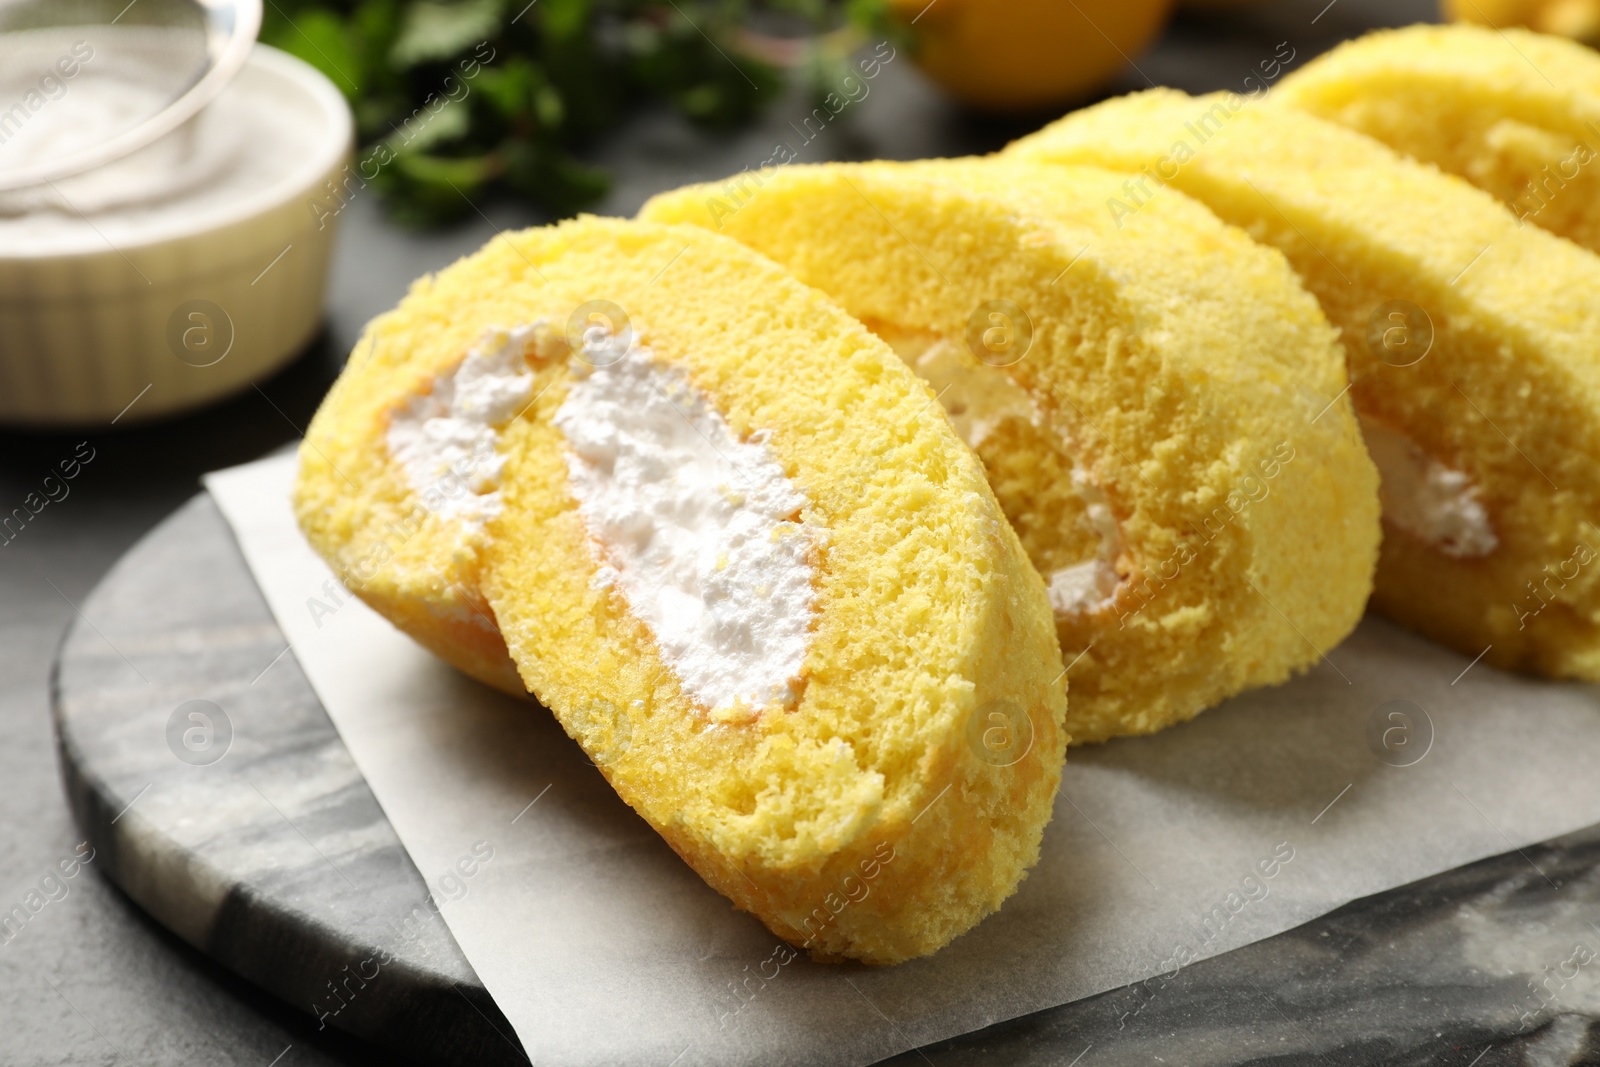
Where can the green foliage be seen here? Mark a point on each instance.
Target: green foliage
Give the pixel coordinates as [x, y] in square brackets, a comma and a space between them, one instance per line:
[458, 98]
[437, 32]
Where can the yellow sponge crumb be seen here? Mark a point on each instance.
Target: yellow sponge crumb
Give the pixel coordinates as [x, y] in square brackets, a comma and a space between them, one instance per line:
[1159, 407]
[902, 794]
[1473, 346]
[396, 544]
[1513, 112]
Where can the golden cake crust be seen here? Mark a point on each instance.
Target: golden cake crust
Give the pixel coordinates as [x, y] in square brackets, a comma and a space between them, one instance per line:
[1515, 113]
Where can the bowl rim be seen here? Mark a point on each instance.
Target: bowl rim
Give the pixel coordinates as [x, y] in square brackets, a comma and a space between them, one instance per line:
[237, 22]
[314, 166]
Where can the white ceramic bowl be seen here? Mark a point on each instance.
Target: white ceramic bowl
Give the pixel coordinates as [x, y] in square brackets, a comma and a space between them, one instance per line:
[130, 313]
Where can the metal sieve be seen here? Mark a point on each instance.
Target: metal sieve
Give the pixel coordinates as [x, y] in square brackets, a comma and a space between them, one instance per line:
[85, 82]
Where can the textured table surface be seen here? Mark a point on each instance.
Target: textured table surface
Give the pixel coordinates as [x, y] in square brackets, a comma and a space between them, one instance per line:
[92, 979]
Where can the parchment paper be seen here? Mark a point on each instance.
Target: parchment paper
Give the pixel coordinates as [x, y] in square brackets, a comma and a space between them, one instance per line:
[601, 947]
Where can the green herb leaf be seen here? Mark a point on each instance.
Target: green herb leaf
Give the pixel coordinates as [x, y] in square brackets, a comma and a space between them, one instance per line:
[457, 99]
[319, 37]
[429, 127]
[434, 30]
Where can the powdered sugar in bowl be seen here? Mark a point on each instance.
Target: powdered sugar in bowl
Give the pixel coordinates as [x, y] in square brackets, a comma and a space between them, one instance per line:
[177, 273]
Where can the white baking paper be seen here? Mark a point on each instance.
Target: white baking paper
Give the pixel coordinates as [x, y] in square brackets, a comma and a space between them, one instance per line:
[601, 947]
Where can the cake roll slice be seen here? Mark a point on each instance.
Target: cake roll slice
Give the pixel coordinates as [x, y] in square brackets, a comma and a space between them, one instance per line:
[1513, 112]
[1159, 406]
[743, 557]
[1473, 345]
[400, 470]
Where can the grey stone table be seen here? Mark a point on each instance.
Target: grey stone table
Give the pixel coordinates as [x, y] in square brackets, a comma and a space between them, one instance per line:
[1436, 973]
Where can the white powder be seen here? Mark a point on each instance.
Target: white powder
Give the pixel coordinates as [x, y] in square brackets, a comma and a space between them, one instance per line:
[65, 89]
[979, 398]
[1420, 495]
[261, 131]
[445, 438]
[699, 529]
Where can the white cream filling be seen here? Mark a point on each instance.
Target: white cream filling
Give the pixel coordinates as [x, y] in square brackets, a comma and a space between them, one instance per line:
[979, 398]
[1434, 503]
[1084, 587]
[444, 439]
[699, 529]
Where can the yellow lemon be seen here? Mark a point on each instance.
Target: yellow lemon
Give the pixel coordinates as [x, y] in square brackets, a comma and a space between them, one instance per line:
[1017, 54]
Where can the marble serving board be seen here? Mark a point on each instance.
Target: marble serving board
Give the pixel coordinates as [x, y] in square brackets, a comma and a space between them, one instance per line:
[248, 831]
[218, 795]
